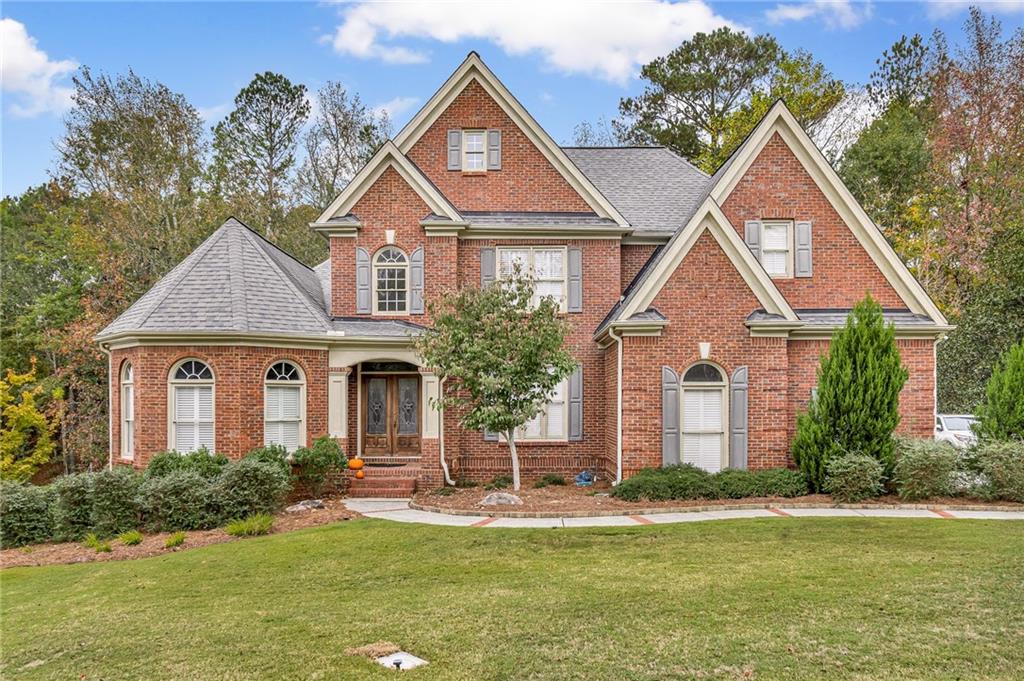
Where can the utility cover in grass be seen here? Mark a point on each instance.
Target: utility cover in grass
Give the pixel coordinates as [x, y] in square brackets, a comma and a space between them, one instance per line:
[401, 661]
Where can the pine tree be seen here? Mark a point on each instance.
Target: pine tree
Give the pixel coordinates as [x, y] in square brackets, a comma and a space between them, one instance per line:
[1001, 415]
[856, 408]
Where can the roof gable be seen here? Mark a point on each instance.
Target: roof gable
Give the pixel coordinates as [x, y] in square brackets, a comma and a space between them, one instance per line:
[388, 156]
[779, 120]
[473, 70]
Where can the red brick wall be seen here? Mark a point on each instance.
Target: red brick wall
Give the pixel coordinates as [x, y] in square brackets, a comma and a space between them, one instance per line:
[526, 181]
[705, 300]
[633, 258]
[238, 394]
[777, 186]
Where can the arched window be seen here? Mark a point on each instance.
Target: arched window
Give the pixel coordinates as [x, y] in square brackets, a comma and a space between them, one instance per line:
[127, 411]
[284, 406]
[391, 281]
[704, 417]
[191, 406]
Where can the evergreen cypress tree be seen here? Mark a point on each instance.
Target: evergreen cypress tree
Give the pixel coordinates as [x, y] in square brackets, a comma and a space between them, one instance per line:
[856, 408]
[1001, 415]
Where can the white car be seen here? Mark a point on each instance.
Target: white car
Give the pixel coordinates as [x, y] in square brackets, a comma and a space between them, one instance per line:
[955, 429]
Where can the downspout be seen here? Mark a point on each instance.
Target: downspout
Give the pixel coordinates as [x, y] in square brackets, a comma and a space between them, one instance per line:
[618, 404]
[440, 438]
[110, 405]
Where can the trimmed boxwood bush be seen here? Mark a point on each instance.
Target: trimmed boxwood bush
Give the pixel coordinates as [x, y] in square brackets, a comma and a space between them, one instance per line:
[200, 461]
[24, 514]
[924, 469]
[780, 482]
[115, 501]
[735, 483]
[250, 486]
[179, 500]
[671, 482]
[275, 455]
[1003, 464]
[853, 477]
[316, 463]
[72, 506]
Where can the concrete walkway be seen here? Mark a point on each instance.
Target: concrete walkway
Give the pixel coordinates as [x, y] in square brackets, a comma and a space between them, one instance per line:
[399, 511]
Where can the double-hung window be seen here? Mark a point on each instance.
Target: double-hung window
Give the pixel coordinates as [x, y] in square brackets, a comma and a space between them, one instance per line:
[474, 149]
[777, 248]
[546, 265]
[391, 281]
[283, 408]
[552, 422]
[127, 412]
[191, 407]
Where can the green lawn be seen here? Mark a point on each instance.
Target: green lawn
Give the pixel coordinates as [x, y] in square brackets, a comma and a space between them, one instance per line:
[773, 599]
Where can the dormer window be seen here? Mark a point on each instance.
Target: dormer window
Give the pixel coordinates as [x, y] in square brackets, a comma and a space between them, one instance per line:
[474, 150]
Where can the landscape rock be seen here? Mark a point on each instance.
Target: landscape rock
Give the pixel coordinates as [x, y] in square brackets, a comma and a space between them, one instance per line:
[501, 499]
[305, 505]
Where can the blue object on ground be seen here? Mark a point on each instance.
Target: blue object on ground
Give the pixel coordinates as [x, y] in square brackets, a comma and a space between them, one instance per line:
[585, 479]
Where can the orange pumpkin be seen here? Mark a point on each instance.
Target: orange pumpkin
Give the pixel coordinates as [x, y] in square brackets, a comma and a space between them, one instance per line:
[355, 464]
[360, 474]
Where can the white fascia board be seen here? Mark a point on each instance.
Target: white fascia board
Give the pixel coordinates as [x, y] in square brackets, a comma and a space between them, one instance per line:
[779, 119]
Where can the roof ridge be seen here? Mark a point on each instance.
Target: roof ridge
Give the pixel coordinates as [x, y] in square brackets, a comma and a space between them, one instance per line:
[686, 161]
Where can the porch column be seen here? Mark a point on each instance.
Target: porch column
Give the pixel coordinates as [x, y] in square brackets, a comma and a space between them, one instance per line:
[432, 439]
[337, 402]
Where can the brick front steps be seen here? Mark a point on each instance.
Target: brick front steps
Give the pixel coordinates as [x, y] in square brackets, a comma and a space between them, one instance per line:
[387, 482]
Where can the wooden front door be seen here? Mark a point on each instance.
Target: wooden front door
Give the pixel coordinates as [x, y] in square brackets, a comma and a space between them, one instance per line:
[391, 415]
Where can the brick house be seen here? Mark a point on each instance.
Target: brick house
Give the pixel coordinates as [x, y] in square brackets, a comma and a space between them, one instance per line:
[698, 305]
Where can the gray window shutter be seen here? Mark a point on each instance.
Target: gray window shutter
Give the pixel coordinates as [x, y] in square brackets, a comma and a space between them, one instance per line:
[576, 404]
[416, 281]
[494, 149]
[490, 437]
[575, 303]
[362, 281]
[752, 235]
[738, 419]
[803, 249]
[669, 417]
[487, 265]
[454, 150]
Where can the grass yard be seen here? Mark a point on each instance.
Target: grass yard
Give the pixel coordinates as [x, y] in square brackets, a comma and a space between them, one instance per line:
[766, 599]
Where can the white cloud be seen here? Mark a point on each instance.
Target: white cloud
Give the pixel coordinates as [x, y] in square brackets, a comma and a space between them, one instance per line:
[27, 73]
[396, 106]
[941, 9]
[834, 13]
[212, 114]
[606, 40]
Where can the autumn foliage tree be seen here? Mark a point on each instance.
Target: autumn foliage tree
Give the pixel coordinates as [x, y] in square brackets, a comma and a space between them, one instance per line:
[26, 432]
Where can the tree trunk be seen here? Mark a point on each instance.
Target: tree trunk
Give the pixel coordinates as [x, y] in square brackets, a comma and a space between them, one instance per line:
[510, 435]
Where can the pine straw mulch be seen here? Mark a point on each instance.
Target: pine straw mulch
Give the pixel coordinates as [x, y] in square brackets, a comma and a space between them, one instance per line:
[569, 500]
[153, 544]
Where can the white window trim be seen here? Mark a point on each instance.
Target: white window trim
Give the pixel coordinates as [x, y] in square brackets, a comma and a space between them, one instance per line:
[722, 385]
[790, 246]
[301, 385]
[374, 267]
[543, 414]
[563, 304]
[127, 425]
[465, 150]
[172, 406]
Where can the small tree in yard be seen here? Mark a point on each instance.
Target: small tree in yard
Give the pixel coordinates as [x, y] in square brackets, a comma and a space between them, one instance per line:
[499, 356]
[1001, 414]
[856, 408]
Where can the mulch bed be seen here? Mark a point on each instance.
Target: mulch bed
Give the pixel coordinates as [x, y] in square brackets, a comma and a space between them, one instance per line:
[153, 544]
[570, 500]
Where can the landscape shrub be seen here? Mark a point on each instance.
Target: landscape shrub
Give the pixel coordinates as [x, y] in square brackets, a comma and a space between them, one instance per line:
[176, 539]
[671, 482]
[115, 501]
[256, 524]
[317, 463]
[275, 455]
[71, 506]
[24, 514]
[200, 461]
[780, 482]
[1001, 413]
[736, 483]
[179, 500]
[853, 477]
[250, 486]
[1002, 463]
[549, 479]
[130, 538]
[91, 541]
[499, 482]
[856, 407]
[924, 469]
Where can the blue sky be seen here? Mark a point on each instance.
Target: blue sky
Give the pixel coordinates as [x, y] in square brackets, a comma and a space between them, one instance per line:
[565, 63]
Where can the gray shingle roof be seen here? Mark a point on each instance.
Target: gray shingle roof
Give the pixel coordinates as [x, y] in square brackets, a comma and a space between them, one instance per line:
[653, 188]
[837, 317]
[488, 218]
[375, 328]
[234, 282]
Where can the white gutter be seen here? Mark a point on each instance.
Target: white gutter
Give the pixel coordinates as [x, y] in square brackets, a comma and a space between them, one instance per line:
[618, 406]
[110, 403]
